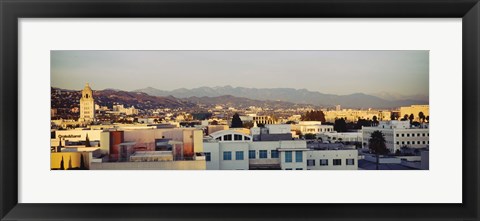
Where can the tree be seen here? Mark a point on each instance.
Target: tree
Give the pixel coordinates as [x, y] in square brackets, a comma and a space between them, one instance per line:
[82, 163]
[340, 125]
[421, 116]
[377, 145]
[428, 118]
[214, 122]
[411, 118]
[87, 142]
[375, 121]
[248, 124]
[405, 117]
[236, 121]
[62, 167]
[314, 116]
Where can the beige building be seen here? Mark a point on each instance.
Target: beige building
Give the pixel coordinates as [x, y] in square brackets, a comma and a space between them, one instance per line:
[415, 110]
[352, 115]
[87, 105]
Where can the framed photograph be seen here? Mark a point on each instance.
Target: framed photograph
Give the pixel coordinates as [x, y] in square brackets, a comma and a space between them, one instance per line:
[230, 109]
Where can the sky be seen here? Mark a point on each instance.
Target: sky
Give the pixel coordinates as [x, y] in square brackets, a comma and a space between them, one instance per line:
[332, 72]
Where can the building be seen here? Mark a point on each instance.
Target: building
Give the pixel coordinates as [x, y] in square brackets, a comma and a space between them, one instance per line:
[258, 155]
[341, 137]
[272, 132]
[352, 115]
[399, 134]
[312, 127]
[415, 110]
[332, 159]
[87, 105]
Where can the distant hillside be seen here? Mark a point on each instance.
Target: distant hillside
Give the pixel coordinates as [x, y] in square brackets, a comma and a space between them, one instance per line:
[298, 96]
[240, 102]
[61, 98]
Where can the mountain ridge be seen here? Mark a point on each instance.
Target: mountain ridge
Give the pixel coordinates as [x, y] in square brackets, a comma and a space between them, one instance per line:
[298, 96]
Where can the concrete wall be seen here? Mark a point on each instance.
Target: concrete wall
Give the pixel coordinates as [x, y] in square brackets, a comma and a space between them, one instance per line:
[330, 155]
[172, 165]
[293, 165]
[214, 149]
[234, 164]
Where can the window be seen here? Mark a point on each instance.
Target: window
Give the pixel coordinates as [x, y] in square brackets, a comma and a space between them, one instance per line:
[408, 142]
[350, 162]
[403, 135]
[208, 156]
[246, 138]
[397, 135]
[418, 142]
[408, 135]
[423, 142]
[337, 162]
[418, 135]
[227, 155]
[403, 142]
[298, 156]
[251, 154]
[310, 162]
[227, 137]
[274, 154]
[323, 162]
[299, 169]
[288, 156]
[263, 154]
[288, 168]
[398, 142]
[413, 135]
[238, 155]
[237, 137]
[423, 134]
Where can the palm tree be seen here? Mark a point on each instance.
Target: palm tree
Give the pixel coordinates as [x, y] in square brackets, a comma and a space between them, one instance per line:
[377, 145]
[421, 116]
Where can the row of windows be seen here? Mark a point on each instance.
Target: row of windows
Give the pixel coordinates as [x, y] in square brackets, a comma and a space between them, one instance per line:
[413, 135]
[227, 155]
[413, 142]
[262, 154]
[229, 137]
[336, 162]
[298, 156]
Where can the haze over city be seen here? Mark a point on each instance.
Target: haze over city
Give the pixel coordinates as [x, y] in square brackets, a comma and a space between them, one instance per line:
[331, 72]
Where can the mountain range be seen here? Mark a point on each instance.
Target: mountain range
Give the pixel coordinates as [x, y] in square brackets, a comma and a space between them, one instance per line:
[297, 96]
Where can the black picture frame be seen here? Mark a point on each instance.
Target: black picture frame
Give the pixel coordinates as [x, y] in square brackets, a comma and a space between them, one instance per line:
[12, 10]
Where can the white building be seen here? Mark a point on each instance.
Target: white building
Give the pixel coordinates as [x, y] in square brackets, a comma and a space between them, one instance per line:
[87, 105]
[341, 159]
[233, 150]
[312, 127]
[398, 134]
[344, 136]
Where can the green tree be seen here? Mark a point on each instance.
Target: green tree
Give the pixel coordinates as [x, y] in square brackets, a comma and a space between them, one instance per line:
[421, 116]
[313, 116]
[377, 145]
[82, 163]
[340, 125]
[236, 121]
[310, 136]
[87, 142]
[375, 120]
[62, 167]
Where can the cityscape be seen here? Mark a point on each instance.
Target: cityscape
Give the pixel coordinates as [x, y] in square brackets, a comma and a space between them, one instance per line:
[239, 110]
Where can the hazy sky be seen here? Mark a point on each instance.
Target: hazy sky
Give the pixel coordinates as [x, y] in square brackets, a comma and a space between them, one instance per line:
[334, 72]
